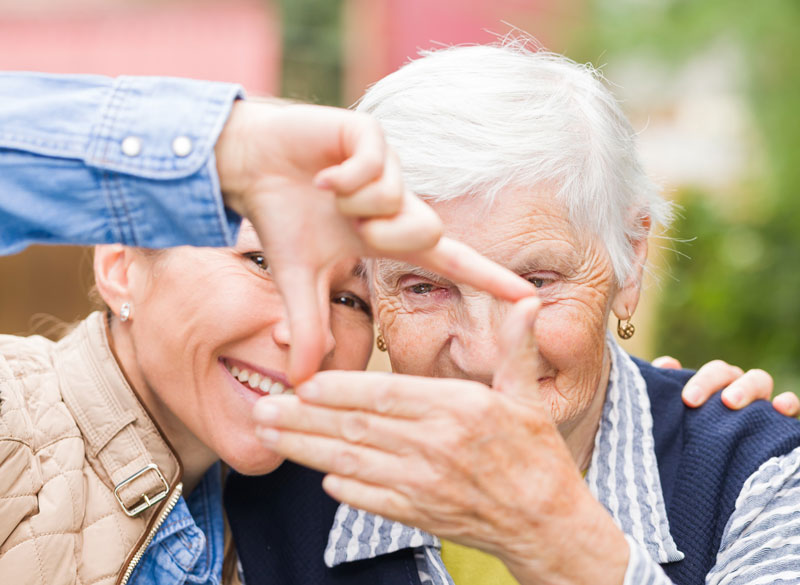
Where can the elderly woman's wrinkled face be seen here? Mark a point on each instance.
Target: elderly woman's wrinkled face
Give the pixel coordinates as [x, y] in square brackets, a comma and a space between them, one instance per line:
[211, 336]
[437, 328]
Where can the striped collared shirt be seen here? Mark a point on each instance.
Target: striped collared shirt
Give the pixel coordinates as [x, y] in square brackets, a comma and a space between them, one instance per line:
[760, 544]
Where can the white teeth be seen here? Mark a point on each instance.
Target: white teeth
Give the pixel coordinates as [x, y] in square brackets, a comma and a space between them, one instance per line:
[259, 382]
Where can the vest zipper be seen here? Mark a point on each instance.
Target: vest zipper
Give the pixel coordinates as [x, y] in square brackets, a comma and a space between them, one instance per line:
[162, 516]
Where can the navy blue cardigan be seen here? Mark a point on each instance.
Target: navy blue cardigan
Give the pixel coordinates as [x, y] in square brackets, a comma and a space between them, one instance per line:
[704, 457]
[280, 522]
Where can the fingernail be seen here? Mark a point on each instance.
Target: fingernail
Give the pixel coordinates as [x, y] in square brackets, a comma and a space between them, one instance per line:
[691, 394]
[733, 396]
[266, 412]
[331, 484]
[308, 390]
[268, 436]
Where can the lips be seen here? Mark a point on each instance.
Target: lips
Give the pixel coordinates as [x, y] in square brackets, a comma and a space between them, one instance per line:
[257, 379]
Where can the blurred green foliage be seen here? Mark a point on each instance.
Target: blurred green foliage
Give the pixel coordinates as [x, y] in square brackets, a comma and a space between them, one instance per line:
[312, 51]
[737, 293]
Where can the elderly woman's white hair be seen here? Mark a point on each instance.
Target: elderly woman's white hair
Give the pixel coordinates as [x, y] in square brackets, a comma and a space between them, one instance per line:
[475, 120]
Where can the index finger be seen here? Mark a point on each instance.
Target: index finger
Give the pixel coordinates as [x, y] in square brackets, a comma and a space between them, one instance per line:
[394, 395]
[298, 288]
[707, 381]
[460, 263]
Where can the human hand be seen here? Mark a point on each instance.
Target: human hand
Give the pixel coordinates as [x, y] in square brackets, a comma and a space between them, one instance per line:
[320, 184]
[739, 388]
[484, 467]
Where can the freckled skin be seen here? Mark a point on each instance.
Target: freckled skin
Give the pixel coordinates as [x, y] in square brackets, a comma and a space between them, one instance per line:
[449, 330]
[193, 305]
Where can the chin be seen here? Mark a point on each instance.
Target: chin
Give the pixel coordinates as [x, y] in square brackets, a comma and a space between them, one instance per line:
[259, 462]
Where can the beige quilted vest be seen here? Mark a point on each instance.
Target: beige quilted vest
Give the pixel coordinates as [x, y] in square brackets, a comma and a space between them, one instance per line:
[85, 476]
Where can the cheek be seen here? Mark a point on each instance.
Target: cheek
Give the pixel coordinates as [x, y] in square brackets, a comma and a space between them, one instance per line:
[354, 340]
[572, 341]
[195, 319]
[415, 341]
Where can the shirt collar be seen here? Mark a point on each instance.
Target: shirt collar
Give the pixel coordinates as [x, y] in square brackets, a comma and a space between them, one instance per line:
[623, 476]
[193, 534]
[623, 473]
[357, 535]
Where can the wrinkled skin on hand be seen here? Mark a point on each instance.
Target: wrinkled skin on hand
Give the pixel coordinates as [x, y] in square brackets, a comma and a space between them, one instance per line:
[471, 476]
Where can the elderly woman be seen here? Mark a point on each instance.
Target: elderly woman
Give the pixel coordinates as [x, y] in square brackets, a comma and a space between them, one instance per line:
[528, 158]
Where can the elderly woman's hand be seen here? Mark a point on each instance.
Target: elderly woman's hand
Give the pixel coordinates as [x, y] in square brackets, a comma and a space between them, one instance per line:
[739, 388]
[320, 184]
[480, 466]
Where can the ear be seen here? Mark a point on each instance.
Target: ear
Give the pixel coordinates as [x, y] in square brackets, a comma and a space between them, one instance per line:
[627, 298]
[111, 268]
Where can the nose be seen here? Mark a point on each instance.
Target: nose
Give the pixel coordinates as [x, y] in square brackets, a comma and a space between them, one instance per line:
[473, 345]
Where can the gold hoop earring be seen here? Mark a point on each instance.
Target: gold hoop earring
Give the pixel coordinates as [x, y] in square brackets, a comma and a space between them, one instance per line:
[381, 342]
[625, 331]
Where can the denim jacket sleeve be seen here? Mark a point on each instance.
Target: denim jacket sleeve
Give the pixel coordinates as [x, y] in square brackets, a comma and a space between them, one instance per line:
[87, 159]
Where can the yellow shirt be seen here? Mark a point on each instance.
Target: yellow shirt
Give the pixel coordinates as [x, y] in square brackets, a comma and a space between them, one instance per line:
[470, 566]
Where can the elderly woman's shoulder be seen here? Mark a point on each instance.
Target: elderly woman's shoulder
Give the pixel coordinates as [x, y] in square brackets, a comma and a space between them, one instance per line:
[664, 387]
[754, 432]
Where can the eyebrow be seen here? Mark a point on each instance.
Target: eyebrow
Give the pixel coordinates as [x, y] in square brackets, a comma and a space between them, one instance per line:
[564, 260]
[248, 230]
[392, 268]
[360, 270]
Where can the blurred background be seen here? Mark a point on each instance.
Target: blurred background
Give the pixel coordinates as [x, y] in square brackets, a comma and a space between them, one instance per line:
[712, 86]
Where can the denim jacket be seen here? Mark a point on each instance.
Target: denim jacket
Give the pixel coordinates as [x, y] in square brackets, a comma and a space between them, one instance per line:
[85, 159]
[189, 546]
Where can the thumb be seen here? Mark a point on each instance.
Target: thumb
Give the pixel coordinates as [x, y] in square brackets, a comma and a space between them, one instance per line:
[518, 373]
[362, 154]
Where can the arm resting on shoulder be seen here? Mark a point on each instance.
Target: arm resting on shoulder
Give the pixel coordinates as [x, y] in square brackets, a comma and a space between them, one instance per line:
[86, 159]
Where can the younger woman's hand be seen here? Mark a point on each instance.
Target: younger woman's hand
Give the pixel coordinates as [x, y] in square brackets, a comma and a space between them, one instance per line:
[739, 388]
[320, 184]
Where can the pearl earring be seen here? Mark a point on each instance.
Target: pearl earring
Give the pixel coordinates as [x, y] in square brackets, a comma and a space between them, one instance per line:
[125, 311]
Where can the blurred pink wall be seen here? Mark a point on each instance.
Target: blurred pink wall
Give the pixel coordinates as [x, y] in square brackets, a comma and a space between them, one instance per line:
[236, 40]
[381, 35]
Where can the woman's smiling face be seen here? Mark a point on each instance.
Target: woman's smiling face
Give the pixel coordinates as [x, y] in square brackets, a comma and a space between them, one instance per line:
[202, 317]
[434, 327]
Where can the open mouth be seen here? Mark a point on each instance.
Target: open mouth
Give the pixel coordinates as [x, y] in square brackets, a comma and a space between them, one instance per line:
[258, 380]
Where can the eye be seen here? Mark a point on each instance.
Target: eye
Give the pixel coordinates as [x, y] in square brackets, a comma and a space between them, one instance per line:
[352, 301]
[421, 288]
[542, 278]
[423, 293]
[259, 260]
